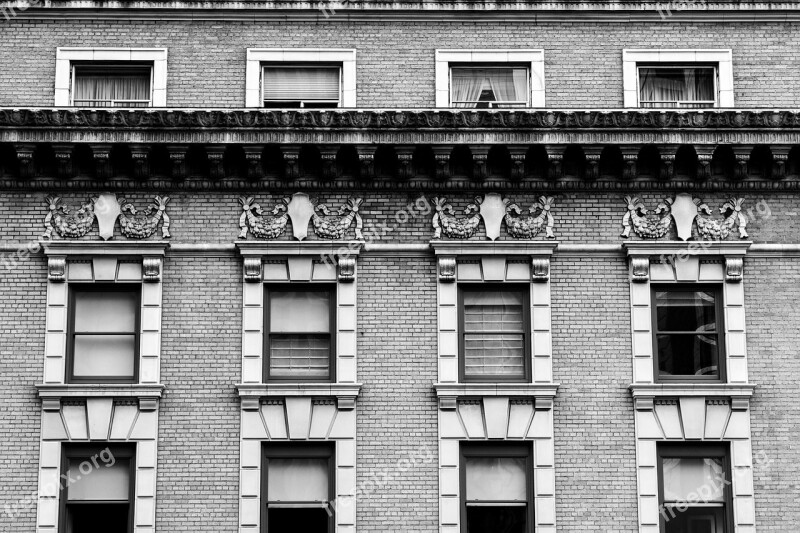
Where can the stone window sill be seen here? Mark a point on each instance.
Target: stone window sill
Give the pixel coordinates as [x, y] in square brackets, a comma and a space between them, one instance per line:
[450, 393]
[345, 393]
[52, 395]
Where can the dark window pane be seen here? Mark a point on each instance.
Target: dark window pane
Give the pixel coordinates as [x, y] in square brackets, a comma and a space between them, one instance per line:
[97, 518]
[689, 311]
[694, 520]
[688, 355]
[305, 520]
[496, 519]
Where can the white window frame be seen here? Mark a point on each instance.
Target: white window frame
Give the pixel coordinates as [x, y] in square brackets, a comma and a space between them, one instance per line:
[532, 59]
[65, 58]
[632, 59]
[257, 57]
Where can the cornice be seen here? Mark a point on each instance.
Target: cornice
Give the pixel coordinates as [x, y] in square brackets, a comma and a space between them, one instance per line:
[673, 390]
[657, 248]
[345, 394]
[466, 247]
[95, 248]
[53, 395]
[460, 390]
[318, 248]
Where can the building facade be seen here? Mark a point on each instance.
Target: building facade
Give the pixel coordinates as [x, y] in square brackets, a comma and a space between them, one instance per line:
[422, 267]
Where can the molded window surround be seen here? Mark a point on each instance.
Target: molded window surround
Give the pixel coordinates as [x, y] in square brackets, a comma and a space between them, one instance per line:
[256, 57]
[533, 59]
[632, 58]
[65, 57]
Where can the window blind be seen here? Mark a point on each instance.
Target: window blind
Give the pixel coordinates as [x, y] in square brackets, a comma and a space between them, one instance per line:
[494, 333]
[301, 83]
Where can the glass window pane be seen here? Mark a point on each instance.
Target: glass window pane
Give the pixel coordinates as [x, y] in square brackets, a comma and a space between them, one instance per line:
[298, 520]
[498, 311]
[688, 355]
[109, 483]
[299, 355]
[104, 355]
[671, 86]
[695, 479]
[299, 312]
[105, 312]
[98, 518]
[298, 480]
[689, 311]
[491, 354]
[471, 85]
[695, 520]
[497, 519]
[496, 479]
[112, 86]
[301, 83]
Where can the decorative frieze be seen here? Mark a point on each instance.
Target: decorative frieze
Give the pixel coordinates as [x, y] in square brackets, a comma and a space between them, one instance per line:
[493, 209]
[142, 224]
[686, 212]
[301, 210]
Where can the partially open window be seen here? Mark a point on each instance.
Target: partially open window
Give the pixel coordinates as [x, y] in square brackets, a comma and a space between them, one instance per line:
[489, 86]
[495, 333]
[104, 325]
[304, 86]
[297, 488]
[694, 489]
[688, 333]
[111, 85]
[688, 86]
[97, 489]
[497, 491]
[299, 340]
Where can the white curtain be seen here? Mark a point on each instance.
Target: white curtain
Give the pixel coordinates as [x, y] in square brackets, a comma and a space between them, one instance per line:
[693, 478]
[467, 85]
[506, 84]
[101, 90]
[297, 480]
[664, 87]
[496, 479]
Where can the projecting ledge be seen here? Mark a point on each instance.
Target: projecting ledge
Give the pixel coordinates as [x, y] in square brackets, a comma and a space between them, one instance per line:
[345, 393]
[541, 393]
[53, 395]
[442, 247]
[673, 390]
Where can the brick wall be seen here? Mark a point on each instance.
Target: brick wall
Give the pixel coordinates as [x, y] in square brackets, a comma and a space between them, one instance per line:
[395, 61]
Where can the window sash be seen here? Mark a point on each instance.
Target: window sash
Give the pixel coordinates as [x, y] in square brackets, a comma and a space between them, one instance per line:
[703, 337]
[502, 351]
[116, 73]
[511, 98]
[290, 93]
[118, 288]
[305, 355]
[677, 102]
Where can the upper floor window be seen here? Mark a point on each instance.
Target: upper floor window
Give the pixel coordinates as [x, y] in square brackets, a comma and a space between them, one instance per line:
[97, 494]
[305, 86]
[299, 339]
[489, 86]
[104, 338]
[694, 489]
[299, 486]
[688, 333]
[111, 85]
[497, 488]
[495, 333]
[687, 86]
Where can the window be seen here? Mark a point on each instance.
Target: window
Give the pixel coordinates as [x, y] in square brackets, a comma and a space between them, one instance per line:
[111, 85]
[694, 489]
[297, 487]
[299, 339]
[496, 488]
[307, 86]
[688, 333]
[104, 339]
[495, 333]
[688, 86]
[96, 489]
[489, 86]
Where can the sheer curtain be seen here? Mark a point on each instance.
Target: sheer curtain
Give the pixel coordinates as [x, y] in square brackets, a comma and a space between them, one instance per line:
[687, 478]
[509, 85]
[115, 88]
[467, 85]
[668, 87]
[506, 84]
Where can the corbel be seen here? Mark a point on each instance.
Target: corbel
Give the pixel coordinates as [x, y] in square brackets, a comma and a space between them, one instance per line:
[630, 156]
[592, 154]
[441, 154]
[177, 159]
[668, 153]
[705, 153]
[216, 158]
[252, 155]
[141, 161]
[251, 403]
[540, 269]
[740, 403]
[51, 404]
[480, 159]
[57, 268]
[151, 269]
[734, 269]
[405, 161]
[640, 269]
[101, 153]
[63, 153]
[780, 155]
[518, 155]
[328, 155]
[346, 403]
[644, 403]
[291, 161]
[555, 160]
[742, 154]
[148, 403]
[366, 158]
[542, 403]
[447, 268]
[346, 269]
[448, 403]
[24, 152]
[252, 268]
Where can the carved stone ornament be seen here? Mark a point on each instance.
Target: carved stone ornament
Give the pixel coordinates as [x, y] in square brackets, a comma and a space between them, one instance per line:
[301, 210]
[734, 269]
[106, 209]
[252, 269]
[540, 269]
[151, 269]
[57, 268]
[346, 269]
[494, 210]
[447, 269]
[686, 212]
[640, 269]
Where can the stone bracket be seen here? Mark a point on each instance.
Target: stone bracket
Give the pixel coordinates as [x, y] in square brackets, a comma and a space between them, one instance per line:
[734, 269]
[640, 269]
[57, 268]
[447, 269]
[151, 269]
[252, 269]
[346, 269]
[540, 269]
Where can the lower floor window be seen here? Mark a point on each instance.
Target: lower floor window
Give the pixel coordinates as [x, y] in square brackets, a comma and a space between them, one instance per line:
[97, 488]
[497, 488]
[694, 489]
[298, 488]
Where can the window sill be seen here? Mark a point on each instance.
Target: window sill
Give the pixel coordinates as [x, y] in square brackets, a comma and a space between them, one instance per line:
[522, 247]
[345, 393]
[450, 393]
[53, 395]
[644, 394]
